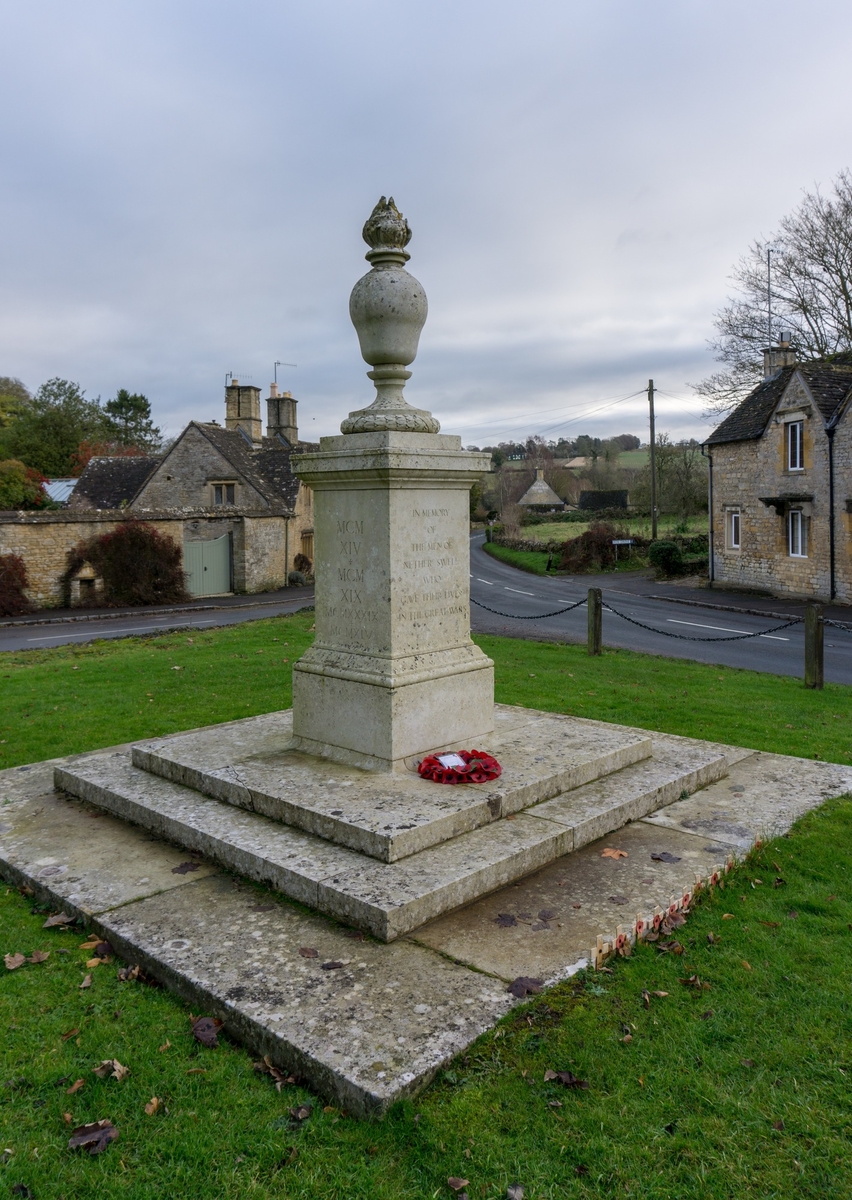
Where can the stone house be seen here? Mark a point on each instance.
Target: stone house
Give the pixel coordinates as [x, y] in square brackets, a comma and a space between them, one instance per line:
[540, 496]
[227, 495]
[781, 482]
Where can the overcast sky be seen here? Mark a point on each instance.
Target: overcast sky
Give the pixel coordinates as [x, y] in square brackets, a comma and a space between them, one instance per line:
[185, 182]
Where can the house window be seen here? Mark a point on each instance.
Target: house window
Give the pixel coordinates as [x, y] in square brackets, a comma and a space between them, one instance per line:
[797, 534]
[223, 493]
[795, 446]
[733, 529]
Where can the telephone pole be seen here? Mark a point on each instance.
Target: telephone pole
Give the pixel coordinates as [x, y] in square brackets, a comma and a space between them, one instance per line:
[653, 445]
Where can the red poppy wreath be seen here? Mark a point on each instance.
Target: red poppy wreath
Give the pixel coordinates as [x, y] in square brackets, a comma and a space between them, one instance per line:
[462, 766]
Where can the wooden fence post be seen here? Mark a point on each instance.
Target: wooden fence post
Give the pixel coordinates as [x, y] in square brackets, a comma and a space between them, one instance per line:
[814, 676]
[595, 606]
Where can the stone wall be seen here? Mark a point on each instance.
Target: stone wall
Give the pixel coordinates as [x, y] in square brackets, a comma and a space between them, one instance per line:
[264, 547]
[745, 471]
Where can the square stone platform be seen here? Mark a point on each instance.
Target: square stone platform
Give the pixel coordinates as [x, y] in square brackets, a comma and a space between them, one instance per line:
[383, 851]
[380, 1025]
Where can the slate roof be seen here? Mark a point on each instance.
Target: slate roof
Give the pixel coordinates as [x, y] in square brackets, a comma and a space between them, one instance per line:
[267, 469]
[829, 381]
[111, 482]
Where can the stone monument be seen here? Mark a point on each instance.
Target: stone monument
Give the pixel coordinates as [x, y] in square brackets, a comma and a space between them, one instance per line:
[393, 672]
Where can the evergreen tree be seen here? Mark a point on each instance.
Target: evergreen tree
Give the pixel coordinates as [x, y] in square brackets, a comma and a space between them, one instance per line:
[129, 419]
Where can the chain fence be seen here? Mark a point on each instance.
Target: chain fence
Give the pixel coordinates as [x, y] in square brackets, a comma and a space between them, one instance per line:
[837, 625]
[686, 637]
[526, 616]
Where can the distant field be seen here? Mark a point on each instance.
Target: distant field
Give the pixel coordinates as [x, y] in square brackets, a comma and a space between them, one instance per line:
[633, 458]
[639, 526]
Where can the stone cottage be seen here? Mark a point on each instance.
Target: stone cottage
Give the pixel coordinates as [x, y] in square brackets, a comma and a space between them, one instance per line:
[228, 495]
[781, 482]
[540, 496]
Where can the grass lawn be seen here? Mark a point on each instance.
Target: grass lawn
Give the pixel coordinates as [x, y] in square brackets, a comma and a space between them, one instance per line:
[667, 527]
[739, 1092]
[535, 561]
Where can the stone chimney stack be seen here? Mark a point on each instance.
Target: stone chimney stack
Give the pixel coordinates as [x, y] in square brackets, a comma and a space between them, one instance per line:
[777, 357]
[242, 410]
[281, 415]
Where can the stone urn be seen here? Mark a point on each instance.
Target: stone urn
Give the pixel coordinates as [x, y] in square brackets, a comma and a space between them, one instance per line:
[388, 309]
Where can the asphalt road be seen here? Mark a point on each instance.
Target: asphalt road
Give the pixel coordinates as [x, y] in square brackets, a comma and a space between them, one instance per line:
[504, 588]
[32, 635]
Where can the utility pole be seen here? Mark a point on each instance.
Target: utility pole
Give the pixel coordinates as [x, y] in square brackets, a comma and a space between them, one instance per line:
[653, 445]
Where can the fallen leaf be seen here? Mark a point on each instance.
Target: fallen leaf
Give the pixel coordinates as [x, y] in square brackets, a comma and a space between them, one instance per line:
[524, 986]
[87, 982]
[112, 1068]
[778, 1125]
[505, 920]
[71, 1033]
[289, 1157]
[94, 1138]
[308, 952]
[514, 1191]
[665, 857]
[21, 1189]
[457, 1184]
[610, 853]
[330, 966]
[265, 1067]
[627, 1039]
[727, 916]
[660, 994]
[746, 965]
[670, 947]
[152, 1105]
[694, 982]
[104, 950]
[566, 1078]
[356, 935]
[185, 867]
[301, 1112]
[779, 882]
[554, 1104]
[75, 1087]
[646, 997]
[792, 914]
[127, 974]
[67, 1118]
[705, 1016]
[581, 1168]
[747, 1062]
[546, 914]
[206, 1029]
[197, 1071]
[56, 920]
[90, 944]
[619, 899]
[98, 962]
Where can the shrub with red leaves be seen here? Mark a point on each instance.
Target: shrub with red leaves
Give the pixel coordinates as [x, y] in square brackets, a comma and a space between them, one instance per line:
[13, 584]
[137, 563]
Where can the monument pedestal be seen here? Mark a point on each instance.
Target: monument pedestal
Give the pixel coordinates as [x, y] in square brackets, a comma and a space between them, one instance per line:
[392, 672]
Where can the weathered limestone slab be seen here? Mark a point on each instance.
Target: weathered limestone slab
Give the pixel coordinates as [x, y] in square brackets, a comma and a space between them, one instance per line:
[76, 857]
[762, 797]
[677, 767]
[551, 947]
[387, 816]
[364, 1033]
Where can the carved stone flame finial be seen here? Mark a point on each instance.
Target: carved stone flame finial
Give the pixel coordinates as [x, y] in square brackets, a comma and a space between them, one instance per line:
[388, 309]
[386, 228]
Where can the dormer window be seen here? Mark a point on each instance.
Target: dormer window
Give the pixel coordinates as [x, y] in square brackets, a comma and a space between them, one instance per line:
[223, 493]
[795, 446]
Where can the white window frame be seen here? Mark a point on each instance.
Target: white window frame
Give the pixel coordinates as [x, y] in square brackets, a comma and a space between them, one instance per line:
[795, 445]
[797, 534]
[733, 529]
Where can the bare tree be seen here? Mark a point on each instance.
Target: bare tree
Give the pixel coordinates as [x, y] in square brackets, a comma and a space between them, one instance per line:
[810, 284]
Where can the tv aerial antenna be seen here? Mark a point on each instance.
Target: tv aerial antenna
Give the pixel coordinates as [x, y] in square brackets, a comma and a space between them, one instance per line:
[278, 363]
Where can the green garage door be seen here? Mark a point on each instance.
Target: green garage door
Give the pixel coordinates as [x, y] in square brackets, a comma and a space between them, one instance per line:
[208, 566]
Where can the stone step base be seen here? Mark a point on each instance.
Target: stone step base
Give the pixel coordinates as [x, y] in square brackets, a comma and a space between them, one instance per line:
[389, 899]
[389, 816]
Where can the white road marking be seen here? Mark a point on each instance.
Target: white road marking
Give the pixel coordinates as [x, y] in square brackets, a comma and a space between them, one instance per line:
[488, 581]
[723, 629]
[518, 591]
[134, 629]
